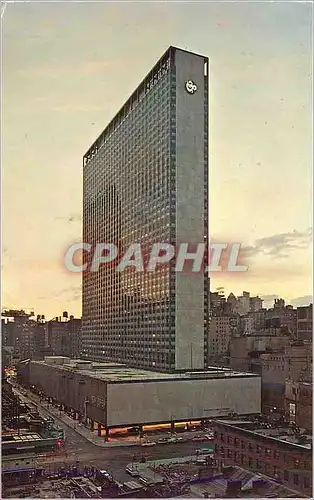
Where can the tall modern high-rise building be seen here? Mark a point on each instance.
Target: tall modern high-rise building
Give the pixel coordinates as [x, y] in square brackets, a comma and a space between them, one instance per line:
[146, 181]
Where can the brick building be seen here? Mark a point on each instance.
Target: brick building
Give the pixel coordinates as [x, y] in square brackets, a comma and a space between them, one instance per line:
[275, 451]
[298, 403]
[305, 322]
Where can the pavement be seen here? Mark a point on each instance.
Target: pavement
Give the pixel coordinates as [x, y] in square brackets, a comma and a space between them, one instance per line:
[69, 422]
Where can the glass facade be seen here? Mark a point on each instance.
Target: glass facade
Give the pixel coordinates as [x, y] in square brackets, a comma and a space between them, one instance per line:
[129, 196]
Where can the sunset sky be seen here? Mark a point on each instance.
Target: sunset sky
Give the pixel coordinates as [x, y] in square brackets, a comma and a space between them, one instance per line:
[68, 68]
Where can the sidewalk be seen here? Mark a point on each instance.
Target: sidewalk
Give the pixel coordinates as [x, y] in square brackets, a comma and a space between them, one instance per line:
[80, 429]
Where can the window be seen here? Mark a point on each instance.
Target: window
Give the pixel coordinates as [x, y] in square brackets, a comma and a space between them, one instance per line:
[222, 437]
[295, 479]
[286, 475]
[306, 482]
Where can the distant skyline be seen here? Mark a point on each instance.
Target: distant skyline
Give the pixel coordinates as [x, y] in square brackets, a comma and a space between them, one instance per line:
[69, 67]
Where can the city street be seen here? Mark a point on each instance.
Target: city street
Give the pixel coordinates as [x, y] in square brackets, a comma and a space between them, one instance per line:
[115, 459]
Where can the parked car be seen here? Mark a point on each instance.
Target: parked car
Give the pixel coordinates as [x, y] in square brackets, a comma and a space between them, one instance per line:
[148, 443]
[209, 437]
[163, 441]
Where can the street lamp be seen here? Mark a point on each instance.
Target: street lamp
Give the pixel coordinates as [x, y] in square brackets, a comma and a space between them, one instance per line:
[172, 423]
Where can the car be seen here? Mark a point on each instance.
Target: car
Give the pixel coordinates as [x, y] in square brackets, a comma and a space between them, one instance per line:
[162, 441]
[172, 440]
[105, 473]
[201, 461]
[149, 443]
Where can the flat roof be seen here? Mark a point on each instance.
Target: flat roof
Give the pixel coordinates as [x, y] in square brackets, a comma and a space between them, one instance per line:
[113, 373]
[282, 434]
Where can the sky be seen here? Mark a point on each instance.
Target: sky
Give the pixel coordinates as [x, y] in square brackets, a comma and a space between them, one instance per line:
[68, 68]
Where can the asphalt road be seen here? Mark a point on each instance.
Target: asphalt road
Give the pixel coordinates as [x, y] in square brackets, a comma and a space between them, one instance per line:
[115, 460]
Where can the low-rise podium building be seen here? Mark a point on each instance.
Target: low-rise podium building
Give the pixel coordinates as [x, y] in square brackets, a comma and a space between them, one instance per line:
[114, 395]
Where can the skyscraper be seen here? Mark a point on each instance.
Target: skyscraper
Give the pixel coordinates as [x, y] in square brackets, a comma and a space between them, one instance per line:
[146, 181]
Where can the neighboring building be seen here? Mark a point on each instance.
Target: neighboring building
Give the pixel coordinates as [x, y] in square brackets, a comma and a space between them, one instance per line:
[146, 181]
[279, 304]
[256, 304]
[220, 330]
[282, 316]
[244, 303]
[259, 317]
[113, 395]
[275, 359]
[305, 322]
[298, 403]
[273, 450]
[7, 356]
[235, 482]
[24, 335]
[64, 336]
[243, 348]
[247, 324]
[232, 304]
[217, 303]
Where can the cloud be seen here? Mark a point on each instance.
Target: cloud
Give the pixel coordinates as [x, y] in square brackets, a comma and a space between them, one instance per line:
[305, 300]
[73, 292]
[269, 297]
[279, 245]
[70, 218]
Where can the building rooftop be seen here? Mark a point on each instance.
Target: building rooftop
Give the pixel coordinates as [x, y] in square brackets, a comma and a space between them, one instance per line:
[253, 485]
[134, 98]
[115, 373]
[270, 431]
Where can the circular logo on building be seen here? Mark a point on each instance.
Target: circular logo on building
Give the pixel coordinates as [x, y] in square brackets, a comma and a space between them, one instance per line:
[190, 87]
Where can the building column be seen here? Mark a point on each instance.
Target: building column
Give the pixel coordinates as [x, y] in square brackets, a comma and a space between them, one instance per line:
[107, 435]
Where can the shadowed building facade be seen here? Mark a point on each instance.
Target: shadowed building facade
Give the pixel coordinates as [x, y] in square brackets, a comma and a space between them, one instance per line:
[146, 181]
